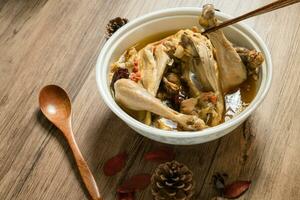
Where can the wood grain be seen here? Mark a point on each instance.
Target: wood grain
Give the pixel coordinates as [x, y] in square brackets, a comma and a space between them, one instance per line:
[259, 11]
[57, 42]
[56, 106]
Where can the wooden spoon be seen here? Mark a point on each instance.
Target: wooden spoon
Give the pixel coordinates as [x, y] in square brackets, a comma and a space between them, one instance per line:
[267, 8]
[56, 106]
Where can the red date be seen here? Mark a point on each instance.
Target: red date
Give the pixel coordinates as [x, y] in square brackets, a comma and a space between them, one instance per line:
[119, 74]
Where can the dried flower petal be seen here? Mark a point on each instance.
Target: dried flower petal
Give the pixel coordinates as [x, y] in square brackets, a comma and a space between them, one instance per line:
[160, 155]
[135, 183]
[236, 189]
[126, 196]
[115, 164]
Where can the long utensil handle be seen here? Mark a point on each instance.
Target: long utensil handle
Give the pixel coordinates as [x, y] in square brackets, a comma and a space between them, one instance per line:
[267, 8]
[84, 170]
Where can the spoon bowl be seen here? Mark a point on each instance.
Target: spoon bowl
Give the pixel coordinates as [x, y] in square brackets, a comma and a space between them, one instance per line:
[55, 103]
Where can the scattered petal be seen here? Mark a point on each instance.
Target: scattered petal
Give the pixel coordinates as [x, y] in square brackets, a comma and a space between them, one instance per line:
[236, 189]
[115, 164]
[135, 183]
[160, 155]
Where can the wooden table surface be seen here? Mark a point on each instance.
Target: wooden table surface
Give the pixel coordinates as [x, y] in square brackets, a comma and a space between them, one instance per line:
[57, 42]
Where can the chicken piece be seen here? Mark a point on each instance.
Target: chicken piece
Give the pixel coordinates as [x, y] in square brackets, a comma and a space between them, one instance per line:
[184, 53]
[186, 76]
[192, 60]
[173, 78]
[179, 52]
[251, 58]
[207, 18]
[204, 106]
[126, 60]
[232, 70]
[130, 94]
[188, 106]
[172, 83]
[202, 62]
[165, 124]
[170, 87]
[152, 64]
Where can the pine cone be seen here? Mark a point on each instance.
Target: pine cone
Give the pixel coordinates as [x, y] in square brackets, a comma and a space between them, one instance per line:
[172, 181]
[114, 25]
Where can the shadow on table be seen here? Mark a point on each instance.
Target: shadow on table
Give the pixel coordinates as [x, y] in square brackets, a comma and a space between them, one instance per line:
[233, 154]
[55, 132]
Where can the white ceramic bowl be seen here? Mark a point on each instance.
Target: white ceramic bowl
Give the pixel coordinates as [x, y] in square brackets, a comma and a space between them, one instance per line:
[175, 19]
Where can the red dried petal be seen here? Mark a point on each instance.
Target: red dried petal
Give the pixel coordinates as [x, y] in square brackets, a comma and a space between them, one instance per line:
[126, 196]
[135, 183]
[161, 155]
[236, 189]
[115, 164]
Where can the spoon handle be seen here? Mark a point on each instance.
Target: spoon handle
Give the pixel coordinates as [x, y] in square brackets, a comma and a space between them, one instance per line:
[83, 168]
[267, 8]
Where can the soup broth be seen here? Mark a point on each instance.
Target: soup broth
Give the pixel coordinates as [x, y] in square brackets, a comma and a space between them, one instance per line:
[180, 77]
[235, 101]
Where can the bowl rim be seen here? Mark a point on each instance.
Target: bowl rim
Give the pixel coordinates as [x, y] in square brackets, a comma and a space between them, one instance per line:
[133, 123]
